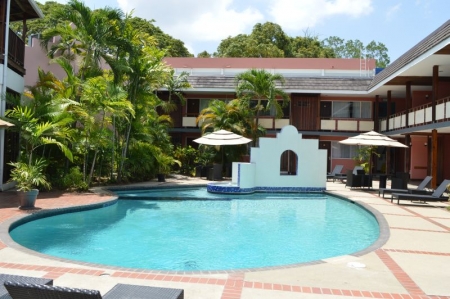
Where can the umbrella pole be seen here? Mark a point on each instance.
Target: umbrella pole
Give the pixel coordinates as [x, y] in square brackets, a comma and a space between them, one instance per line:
[388, 158]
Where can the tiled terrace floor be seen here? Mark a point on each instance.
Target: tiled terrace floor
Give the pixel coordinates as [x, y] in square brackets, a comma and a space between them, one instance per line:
[413, 263]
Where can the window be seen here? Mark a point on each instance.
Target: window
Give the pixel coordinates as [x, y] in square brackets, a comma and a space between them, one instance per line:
[192, 107]
[204, 103]
[351, 109]
[343, 151]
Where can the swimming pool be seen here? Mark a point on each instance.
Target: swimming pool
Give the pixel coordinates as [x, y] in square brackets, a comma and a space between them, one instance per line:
[191, 229]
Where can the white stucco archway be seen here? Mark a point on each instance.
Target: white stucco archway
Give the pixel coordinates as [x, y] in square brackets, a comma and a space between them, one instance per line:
[263, 171]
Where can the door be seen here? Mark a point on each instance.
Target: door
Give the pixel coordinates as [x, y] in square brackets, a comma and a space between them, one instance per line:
[326, 145]
[305, 112]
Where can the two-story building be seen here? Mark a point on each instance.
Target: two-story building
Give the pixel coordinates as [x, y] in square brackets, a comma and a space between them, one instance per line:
[328, 97]
[332, 99]
[12, 71]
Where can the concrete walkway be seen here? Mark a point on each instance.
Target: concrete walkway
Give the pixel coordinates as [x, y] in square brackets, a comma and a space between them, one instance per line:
[413, 263]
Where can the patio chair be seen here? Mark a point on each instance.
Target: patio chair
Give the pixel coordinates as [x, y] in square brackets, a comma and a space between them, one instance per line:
[420, 189]
[435, 196]
[23, 279]
[358, 180]
[336, 173]
[19, 290]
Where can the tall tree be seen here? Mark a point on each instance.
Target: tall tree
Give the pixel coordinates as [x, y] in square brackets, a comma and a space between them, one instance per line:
[103, 100]
[336, 44]
[172, 47]
[310, 47]
[356, 49]
[378, 51]
[204, 54]
[272, 34]
[91, 32]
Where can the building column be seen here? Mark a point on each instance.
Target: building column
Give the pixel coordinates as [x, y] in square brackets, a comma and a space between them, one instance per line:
[434, 157]
[407, 166]
[388, 108]
[434, 94]
[375, 112]
[408, 102]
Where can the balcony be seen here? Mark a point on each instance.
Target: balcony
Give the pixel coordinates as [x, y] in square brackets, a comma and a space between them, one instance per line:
[16, 52]
[352, 125]
[268, 122]
[420, 115]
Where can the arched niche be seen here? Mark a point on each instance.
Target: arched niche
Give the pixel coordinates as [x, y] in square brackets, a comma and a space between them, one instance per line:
[288, 163]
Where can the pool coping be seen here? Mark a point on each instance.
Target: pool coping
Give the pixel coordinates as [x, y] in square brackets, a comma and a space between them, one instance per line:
[8, 225]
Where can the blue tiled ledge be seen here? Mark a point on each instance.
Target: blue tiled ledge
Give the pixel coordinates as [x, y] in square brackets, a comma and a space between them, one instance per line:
[234, 189]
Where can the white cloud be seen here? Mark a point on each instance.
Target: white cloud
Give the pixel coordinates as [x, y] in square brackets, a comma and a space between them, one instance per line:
[392, 11]
[302, 14]
[195, 20]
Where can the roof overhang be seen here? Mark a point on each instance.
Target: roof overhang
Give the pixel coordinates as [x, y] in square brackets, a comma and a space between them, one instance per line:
[416, 66]
[24, 10]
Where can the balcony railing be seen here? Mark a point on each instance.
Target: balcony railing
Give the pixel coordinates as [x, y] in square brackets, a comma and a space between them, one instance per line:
[417, 116]
[16, 52]
[271, 123]
[268, 122]
[352, 125]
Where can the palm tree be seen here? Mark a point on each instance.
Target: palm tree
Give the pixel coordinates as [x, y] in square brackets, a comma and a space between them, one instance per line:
[86, 33]
[229, 116]
[102, 99]
[36, 133]
[145, 73]
[175, 86]
[260, 85]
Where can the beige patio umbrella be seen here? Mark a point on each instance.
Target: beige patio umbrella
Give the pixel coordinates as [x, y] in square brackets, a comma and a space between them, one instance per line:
[372, 138]
[5, 124]
[222, 137]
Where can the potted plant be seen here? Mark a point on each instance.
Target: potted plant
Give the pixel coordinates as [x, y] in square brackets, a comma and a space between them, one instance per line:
[28, 171]
[28, 177]
[165, 163]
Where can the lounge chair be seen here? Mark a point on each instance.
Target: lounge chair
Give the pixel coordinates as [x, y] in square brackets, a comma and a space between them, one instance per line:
[420, 189]
[23, 279]
[19, 290]
[336, 173]
[435, 196]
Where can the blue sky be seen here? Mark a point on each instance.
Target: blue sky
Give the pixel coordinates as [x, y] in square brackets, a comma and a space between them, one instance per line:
[202, 24]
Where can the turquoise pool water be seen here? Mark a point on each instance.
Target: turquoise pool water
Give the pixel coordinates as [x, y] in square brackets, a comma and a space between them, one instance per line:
[168, 232]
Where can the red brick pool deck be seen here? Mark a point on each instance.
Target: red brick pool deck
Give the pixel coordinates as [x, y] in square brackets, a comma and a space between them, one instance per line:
[413, 263]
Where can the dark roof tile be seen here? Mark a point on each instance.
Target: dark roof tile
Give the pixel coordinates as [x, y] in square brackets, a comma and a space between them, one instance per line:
[422, 47]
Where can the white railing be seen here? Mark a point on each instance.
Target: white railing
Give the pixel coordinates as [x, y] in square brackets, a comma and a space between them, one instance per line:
[272, 123]
[356, 125]
[418, 116]
[266, 122]
[189, 121]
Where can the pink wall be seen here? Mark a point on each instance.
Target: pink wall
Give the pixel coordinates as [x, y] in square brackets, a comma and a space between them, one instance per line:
[348, 164]
[36, 57]
[446, 158]
[443, 89]
[419, 97]
[419, 157]
[400, 104]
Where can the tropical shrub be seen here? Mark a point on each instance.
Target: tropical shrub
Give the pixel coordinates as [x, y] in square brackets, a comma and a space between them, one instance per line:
[187, 156]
